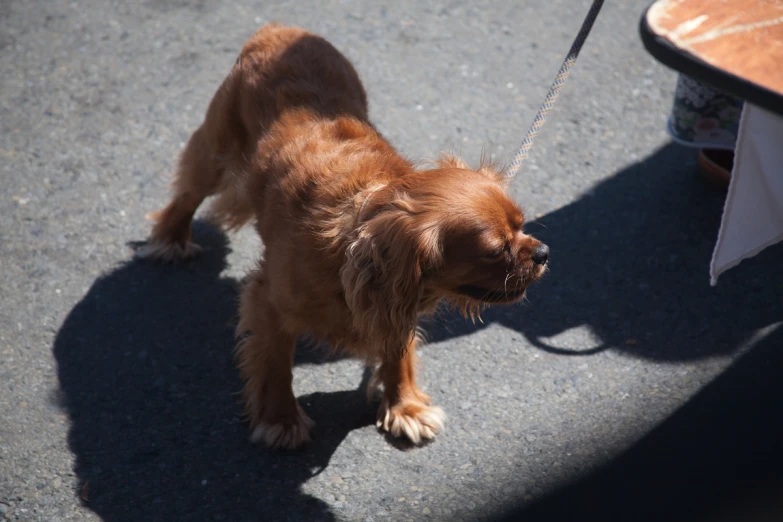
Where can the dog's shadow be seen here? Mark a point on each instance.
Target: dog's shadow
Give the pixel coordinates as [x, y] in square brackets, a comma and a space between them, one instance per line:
[629, 268]
[146, 370]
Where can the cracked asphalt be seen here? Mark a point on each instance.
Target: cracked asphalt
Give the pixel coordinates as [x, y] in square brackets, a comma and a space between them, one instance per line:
[617, 385]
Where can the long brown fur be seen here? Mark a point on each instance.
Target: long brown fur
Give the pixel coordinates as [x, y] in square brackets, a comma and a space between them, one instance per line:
[359, 243]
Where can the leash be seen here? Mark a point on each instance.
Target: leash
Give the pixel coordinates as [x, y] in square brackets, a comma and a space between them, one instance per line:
[554, 91]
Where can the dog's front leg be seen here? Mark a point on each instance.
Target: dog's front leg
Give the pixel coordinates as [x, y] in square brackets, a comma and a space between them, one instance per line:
[265, 358]
[405, 410]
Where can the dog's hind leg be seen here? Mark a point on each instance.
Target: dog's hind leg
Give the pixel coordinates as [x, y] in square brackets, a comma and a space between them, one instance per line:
[198, 176]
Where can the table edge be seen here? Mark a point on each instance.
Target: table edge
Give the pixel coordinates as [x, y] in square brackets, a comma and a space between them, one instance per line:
[686, 63]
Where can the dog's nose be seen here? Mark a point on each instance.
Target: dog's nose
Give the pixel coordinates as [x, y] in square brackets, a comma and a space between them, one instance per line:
[541, 254]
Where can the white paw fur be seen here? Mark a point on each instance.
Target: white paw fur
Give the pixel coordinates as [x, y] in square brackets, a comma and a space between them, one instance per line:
[284, 435]
[415, 421]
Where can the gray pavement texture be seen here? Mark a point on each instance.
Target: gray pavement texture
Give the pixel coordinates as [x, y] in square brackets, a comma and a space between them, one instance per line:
[117, 387]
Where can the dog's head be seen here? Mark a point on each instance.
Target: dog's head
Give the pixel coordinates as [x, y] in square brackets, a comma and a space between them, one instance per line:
[447, 233]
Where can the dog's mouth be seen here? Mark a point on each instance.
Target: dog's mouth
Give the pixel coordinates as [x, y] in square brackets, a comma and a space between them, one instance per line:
[492, 296]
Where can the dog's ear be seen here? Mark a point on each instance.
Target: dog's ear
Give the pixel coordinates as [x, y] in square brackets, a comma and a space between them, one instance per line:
[382, 275]
[486, 166]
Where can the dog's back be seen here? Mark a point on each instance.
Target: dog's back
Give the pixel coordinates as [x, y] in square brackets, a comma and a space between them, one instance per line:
[286, 68]
[280, 71]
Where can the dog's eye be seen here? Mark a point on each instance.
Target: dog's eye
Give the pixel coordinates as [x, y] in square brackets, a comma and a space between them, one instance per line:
[497, 253]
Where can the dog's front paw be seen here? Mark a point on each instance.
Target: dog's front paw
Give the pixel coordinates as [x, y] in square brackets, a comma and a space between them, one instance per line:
[414, 420]
[287, 434]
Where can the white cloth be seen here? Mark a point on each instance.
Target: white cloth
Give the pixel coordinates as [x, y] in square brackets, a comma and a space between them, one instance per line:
[753, 214]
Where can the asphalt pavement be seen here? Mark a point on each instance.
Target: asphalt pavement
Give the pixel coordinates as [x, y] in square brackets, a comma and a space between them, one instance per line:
[118, 394]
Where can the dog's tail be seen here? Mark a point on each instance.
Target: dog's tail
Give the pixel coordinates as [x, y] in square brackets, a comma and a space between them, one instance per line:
[231, 209]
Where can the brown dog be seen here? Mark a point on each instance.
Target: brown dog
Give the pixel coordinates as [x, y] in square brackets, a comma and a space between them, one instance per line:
[358, 242]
